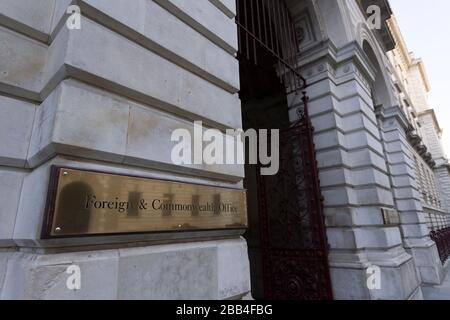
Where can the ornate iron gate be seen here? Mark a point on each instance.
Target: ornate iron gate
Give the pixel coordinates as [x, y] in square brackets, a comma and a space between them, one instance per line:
[293, 238]
[442, 239]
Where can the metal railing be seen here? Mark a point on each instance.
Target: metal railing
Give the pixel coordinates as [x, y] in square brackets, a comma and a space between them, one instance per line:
[442, 239]
[268, 24]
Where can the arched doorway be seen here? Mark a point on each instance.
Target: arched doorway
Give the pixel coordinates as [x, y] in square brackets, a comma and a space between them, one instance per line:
[286, 236]
[380, 93]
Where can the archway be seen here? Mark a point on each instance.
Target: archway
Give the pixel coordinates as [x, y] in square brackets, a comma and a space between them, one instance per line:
[286, 236]
[380, 93]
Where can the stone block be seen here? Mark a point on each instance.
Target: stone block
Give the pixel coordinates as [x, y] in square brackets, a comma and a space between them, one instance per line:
[361, 139]
[322, 105]
[356, 104]
[341, 238]
[204, 17]
[22, 61]
[31, 207]
[73, 121]
[334, 177]
[41, 147]
[202, 270]
[409, 205]
[170, 37]
[28, 14]
[4, 257]
[186, 271]
[339, 196]
[16, 123]
[399, 283]
[357, 121]
[325, 122]
[374, 196]
[402, 169]
[349, 284]
[10, 191]
[330, 158]
[44, 277]
[90, 124]
[328, 139]
[412, 217]
[59, 13]
[405, 193]
[367, 238]
[366, 157]
[228, 7]
[427, 261]
[415, 230]
[362, 177]
[233, 269]
[353, 216]
[134, 71]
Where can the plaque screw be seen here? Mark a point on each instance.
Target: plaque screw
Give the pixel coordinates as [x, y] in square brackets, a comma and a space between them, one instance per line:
[57, 229]
[65, 173]
[180, 226]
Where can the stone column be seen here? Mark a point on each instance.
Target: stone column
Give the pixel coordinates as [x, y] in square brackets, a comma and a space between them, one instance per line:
[414, 230]
[432, 134]
[443, 176]
[354, 177]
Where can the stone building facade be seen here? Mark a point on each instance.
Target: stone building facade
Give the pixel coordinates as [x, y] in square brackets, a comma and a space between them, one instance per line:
[106, 97]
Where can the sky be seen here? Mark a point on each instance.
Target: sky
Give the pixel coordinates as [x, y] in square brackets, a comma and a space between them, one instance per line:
[425, 25]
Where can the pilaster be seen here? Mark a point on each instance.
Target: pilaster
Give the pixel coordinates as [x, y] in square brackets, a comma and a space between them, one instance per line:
[354, 177]
[401, 164]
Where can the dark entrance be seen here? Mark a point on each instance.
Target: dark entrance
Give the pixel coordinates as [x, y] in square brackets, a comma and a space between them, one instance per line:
[286, 238]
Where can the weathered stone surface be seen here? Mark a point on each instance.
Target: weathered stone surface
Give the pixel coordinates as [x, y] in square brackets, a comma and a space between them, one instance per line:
[187, 271]
[16, 123]
[172, 273]
[233, 269]
[427, 260]
[226, 6]
[355, 183]
[22, 61]
[31, 208]
[203, 16]
[5, 254]
[82, 121]
[31, 17]
[10, 191]
[399, 281]
[140, 72]
[165, 34]
[45, 277]
[74, 53]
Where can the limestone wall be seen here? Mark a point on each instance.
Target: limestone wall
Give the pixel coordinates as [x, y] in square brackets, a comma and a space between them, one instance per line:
[108, 96]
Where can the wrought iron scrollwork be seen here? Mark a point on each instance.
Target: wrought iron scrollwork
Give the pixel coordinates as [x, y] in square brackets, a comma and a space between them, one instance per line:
[293, 234]
[442, 239]
[293, 238]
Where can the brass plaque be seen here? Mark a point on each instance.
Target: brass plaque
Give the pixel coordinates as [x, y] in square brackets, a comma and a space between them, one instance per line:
[90, 203]
[390, 217]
